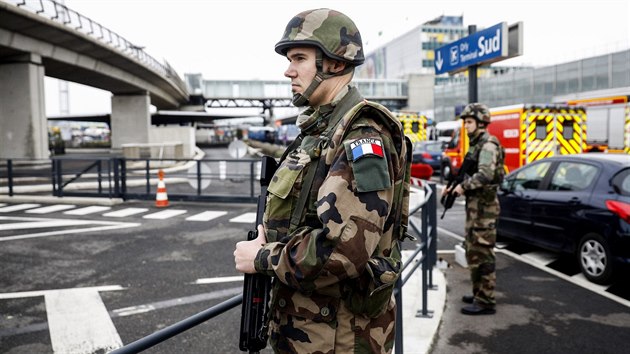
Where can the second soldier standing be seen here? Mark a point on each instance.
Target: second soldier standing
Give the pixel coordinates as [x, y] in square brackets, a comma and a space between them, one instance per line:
[482, 209]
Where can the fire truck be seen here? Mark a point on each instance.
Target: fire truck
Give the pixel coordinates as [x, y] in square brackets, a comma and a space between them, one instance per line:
[527, 133]
[608, 128]
[414, 125]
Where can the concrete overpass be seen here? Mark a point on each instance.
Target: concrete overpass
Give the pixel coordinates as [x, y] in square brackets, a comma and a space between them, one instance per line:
[45, 38]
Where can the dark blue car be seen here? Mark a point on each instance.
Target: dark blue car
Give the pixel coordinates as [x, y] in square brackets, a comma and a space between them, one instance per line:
[577, 204]
[428, 152]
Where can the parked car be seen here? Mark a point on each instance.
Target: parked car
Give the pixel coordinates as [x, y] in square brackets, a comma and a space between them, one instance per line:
[428, 152]
[578, 204]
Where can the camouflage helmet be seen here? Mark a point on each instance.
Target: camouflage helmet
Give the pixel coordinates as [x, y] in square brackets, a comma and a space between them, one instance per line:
[478, 111]
[329, 30]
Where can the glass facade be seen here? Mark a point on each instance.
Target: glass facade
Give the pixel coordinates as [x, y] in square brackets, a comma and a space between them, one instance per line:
[412, 52]
[537, 85]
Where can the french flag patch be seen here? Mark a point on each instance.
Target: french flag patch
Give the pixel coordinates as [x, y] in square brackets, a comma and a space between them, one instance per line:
[366, 147]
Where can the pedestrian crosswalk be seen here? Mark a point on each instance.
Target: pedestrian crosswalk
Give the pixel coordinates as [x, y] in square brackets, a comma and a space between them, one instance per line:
[123, 212]
[87, 210]
[206, 216]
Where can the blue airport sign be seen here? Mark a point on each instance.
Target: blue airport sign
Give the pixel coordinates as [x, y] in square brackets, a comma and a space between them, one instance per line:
[486, 46]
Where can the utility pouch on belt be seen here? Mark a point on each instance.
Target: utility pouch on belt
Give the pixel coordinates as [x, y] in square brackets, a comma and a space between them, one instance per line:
[370, 294]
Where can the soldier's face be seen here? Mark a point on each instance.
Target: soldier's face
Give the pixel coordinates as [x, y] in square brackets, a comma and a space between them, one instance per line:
[470, 124]
[301, 68]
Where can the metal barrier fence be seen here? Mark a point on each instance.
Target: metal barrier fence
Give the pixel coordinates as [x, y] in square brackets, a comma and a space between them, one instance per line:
[218, 180]
[428, 248]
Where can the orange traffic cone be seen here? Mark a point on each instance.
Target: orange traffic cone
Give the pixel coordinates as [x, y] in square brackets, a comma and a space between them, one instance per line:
[161, 198]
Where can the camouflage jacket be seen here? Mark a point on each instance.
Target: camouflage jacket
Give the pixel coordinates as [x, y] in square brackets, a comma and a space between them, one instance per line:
[488, 154]
[339, 242]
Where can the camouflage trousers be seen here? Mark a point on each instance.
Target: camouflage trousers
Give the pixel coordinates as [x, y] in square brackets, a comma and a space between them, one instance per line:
[481, 234]
[344, 333]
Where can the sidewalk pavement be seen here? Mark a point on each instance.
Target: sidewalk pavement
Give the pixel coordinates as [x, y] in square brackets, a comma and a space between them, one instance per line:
[419, 332]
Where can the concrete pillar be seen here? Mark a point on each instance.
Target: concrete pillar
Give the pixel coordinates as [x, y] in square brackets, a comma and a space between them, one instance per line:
[131, 119]
[23, 125]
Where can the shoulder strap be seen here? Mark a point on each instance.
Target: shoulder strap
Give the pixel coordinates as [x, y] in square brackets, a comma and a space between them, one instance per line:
[402, 189]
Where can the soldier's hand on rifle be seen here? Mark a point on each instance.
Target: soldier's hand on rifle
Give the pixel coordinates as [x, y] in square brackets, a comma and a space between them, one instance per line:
[445, 191]
[459, 190]
[246, 252]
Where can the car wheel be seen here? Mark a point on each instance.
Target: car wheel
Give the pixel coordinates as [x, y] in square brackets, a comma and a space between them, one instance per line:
[594, 259]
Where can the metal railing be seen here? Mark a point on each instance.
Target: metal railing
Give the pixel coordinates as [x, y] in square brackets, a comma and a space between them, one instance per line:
[428, 248]
[25, 176]
[60, 13]
[216, 180]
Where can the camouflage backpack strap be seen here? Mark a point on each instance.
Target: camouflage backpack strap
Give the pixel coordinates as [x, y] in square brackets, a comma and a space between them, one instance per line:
[294, 145]
[500, 172]
[402, 144]
[314, 146]
[401, 193]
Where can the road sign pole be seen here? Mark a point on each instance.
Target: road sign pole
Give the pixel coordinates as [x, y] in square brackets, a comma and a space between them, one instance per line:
[472, 74]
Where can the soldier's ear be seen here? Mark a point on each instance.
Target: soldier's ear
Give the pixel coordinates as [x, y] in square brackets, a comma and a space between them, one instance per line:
[336, 66]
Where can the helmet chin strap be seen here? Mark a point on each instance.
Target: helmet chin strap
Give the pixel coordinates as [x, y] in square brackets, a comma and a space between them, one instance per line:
[302, 99]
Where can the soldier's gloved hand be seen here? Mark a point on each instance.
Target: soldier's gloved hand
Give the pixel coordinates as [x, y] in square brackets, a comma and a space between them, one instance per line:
[246, 252]
[459, 190]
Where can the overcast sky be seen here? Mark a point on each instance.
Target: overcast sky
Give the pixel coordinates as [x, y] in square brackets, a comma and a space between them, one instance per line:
[234, 39]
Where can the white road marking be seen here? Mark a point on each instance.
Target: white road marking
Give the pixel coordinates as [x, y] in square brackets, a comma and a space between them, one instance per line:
[222, 170]
[541, 257]
[87, 210]
[51, 209]
[2, 204]
[133, 310]
[79, 322]
[249, 218]
[34, 222]
[165, 214]
[126, 212]
[39, 224]
[77, 319]
[581, 279]
[18, 207]
[451, 234]
[206, 216]
[219, 280]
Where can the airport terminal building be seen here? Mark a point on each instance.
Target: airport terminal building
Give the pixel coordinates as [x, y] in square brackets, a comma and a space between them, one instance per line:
[411, 55]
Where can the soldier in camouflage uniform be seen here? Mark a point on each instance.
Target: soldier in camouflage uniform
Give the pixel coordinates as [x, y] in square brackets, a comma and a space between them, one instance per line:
[337, 205]
[482, 208]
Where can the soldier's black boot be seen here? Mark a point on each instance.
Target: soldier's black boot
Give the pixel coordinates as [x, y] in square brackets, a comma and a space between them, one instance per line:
[477, 309]
[468, 299]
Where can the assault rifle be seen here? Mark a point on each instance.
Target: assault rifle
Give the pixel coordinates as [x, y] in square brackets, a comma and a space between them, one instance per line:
[256, 287]
[448, 199]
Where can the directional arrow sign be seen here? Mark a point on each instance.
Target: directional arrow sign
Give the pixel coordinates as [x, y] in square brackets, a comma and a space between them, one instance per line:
[486, 46]
[438, 62]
